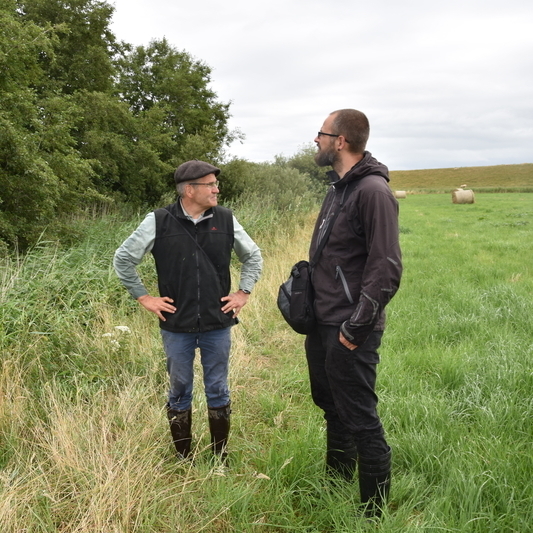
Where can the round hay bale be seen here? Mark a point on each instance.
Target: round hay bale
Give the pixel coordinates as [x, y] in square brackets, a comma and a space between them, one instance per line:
[400, 194]
[460, 196]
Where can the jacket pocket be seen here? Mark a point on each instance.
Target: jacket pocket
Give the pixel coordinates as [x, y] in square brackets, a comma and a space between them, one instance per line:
[339, 274]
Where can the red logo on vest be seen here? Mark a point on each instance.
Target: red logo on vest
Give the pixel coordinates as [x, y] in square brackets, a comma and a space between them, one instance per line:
[214, 228]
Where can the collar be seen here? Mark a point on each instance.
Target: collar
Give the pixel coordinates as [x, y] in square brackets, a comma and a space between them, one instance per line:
[205, 215]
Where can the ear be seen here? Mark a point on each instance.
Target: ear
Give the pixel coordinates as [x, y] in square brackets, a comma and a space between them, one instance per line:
[341, 142]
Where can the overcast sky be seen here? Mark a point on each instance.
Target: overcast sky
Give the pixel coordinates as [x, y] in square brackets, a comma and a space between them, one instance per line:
[444, 84]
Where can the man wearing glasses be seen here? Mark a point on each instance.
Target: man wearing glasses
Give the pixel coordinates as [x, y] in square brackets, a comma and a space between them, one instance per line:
[191, 242]
[356, 275]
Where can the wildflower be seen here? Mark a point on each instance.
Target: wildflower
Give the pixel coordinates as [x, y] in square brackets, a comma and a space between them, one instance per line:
[115, 345]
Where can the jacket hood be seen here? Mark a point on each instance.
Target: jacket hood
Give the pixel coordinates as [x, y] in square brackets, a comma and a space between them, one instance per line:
[369, 165]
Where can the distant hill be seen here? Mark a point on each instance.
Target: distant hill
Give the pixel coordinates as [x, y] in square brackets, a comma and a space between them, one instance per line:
[512, 178]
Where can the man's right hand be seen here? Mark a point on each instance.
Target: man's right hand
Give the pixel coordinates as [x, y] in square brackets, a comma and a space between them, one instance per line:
[157, 304]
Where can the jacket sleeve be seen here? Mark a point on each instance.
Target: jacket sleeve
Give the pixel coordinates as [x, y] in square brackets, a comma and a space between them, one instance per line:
[378, 214]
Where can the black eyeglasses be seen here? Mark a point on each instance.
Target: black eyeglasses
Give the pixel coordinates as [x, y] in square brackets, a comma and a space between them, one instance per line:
[331, 135]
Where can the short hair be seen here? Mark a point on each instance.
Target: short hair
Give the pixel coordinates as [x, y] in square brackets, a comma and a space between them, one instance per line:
[354, 127]
[180, 187]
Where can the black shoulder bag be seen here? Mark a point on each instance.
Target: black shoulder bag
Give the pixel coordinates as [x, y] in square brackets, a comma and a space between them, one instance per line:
[296, 295]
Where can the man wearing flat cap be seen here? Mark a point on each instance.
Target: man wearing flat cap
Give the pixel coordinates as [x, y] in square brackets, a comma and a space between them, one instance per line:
[191, 242]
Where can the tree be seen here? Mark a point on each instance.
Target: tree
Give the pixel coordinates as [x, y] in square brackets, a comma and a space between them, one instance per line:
[160, 77]
[42, 174]
[83, 45]
[85, 119]
[28, 189]
[123, 150]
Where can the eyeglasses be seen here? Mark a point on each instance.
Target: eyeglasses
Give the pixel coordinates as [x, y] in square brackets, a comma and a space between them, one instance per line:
[211, 185]
[331, 135]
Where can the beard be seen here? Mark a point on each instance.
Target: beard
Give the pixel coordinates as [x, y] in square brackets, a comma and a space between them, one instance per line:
[326, 157]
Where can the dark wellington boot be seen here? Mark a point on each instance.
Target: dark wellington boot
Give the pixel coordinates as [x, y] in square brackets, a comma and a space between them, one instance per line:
[341, 455]
[374, 483]
[219, 426]
[180, 429]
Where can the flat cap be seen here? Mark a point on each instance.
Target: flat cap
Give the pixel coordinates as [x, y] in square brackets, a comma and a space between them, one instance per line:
[192, 170]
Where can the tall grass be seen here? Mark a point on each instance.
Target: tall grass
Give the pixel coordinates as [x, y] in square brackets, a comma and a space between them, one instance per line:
[85, 447]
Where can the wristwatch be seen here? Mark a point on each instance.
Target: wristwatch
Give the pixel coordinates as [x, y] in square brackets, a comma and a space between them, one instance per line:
[245, 291]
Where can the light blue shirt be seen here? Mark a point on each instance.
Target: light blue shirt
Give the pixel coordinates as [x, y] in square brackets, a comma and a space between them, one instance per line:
[132, 251]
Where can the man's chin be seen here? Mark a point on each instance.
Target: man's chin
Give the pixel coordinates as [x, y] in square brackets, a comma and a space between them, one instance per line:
[322, 160]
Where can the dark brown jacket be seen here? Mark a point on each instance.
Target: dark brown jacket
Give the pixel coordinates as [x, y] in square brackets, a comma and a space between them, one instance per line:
[360, 267]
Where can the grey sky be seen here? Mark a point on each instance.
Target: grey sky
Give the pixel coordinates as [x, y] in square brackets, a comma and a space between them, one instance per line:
[444, 84]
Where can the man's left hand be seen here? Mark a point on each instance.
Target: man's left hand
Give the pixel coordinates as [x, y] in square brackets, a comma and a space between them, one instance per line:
[234, 302]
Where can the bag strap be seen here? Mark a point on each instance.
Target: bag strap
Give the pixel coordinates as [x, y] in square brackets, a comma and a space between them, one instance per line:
[345, 195]
[189, 234]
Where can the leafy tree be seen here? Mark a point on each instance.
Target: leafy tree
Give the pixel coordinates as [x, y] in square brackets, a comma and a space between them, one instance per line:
[28, 188]
[83, 119]
[83, 47]
[233, 178]
[123, 150]
[42, 174]
[159, 77]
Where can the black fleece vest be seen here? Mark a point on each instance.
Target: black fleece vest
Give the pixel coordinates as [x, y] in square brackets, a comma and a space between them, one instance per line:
[193, 267]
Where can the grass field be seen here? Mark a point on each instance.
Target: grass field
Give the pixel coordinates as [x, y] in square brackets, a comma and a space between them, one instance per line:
[84, 443]
[498, 178]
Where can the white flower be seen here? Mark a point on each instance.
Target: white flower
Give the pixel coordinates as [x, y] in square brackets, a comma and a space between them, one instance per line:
[123, 329]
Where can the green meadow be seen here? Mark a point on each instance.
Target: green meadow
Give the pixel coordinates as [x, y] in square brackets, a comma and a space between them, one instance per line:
[84, 441]
[497, 178]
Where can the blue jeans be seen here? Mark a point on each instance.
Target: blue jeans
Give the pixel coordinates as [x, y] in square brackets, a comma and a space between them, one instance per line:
[214, 355]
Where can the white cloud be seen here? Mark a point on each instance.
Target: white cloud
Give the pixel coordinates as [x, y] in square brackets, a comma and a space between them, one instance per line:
[443, 85]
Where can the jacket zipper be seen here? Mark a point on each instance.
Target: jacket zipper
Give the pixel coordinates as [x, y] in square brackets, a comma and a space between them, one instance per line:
[340, 274]
[198, 314]
[327, 218]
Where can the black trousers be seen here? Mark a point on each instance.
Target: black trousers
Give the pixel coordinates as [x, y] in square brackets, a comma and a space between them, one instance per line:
[343, 385]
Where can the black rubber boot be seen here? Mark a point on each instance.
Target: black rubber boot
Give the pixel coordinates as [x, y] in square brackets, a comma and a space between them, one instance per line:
[374, 483]
[180, 429]
[341, 455]
[219, 425]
